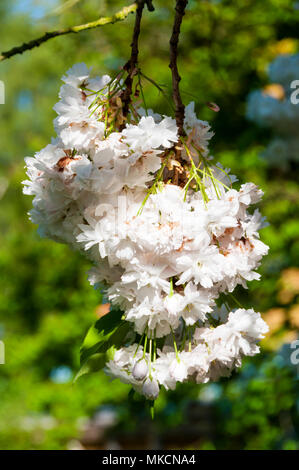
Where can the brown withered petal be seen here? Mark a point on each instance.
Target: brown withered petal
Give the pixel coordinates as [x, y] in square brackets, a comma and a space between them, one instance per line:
[213, 106]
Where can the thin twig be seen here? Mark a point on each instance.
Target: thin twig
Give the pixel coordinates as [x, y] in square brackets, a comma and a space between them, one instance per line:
[131, 65]
[174, 40]
[178, 175]
[119, 16]
[150, 6]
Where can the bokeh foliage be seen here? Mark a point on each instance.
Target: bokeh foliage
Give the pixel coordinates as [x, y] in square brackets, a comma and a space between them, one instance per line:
[46, 304]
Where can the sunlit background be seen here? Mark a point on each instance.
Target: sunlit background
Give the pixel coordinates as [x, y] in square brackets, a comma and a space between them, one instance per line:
[46, 303]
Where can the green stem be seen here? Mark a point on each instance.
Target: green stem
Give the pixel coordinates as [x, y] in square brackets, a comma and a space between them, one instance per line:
[175, 346]
[138, 344]
[184, 337]
[150, 359]
[152, 189]
[171, 291]
[152, 409]
[119, 16]
[145, 345]
[236, 301]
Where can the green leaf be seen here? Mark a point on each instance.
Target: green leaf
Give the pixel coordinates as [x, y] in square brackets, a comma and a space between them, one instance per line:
[95, 362]
[99, 333]
[92, 364]
[101, 341]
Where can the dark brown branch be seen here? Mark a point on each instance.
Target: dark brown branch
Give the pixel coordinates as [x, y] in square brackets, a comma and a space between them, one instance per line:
[174, 40]
[149, 5]
[131, 65]
[119, 16]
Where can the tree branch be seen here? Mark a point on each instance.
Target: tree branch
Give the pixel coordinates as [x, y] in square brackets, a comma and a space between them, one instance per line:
[150, 5]
[131, 65]
[119, 16]
[174, 40]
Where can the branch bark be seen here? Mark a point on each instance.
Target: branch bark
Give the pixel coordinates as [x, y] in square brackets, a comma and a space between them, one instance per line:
[174, 40]
[119, 16]
[131, 65]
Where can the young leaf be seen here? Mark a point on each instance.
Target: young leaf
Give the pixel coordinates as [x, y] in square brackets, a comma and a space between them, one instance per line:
[101, 342]
[99, 333]
[95, 363]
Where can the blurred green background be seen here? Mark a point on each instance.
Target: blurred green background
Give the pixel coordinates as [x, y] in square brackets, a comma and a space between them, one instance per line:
[46, 303]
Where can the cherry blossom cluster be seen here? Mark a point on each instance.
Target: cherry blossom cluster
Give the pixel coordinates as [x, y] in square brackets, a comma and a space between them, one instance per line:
[165, 253]
[277, 107]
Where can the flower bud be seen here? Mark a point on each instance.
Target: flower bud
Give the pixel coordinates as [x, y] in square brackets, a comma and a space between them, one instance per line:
[140, 370]
[150, 389]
